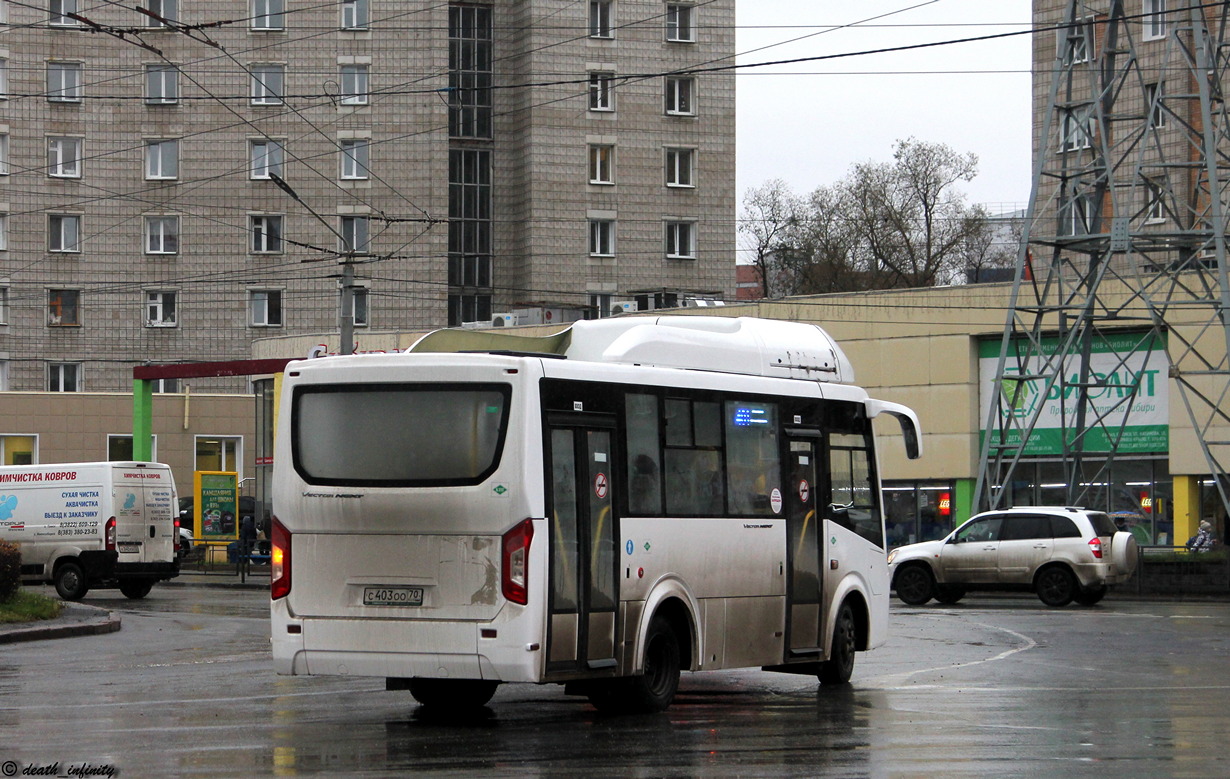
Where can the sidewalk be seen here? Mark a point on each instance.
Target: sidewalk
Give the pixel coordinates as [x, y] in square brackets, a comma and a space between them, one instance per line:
[76, 619]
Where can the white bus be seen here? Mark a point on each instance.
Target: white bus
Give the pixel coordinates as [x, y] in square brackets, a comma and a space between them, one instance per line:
[601, 508]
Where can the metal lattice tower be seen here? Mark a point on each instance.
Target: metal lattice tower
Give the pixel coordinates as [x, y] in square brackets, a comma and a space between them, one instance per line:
[1123, 248]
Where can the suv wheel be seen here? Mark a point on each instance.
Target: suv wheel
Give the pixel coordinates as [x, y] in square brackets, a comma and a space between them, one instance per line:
[949, 594]
[914, 584]
[1056, 586]
[1090, 596]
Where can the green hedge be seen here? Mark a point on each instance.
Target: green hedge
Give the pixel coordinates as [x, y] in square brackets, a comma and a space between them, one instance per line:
[10, 570]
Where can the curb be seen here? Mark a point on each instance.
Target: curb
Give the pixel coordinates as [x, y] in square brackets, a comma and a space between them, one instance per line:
[94, 622]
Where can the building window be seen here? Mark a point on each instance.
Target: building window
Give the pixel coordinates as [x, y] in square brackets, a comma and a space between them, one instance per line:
[59, 13]
[355, 158]
[4, 305]
[64, 308]
[680, 26]
[268, 14]
[1155, 209]
[601, 238]
[266, 157]
[355, 234]
[219, 453]
[469, 213]
[4, 78]
[600, 19]
[4, 154]
[355, 14]
[469, 308]
[162, 159]
[681, 240]
[680, 91]
[64, 82]
[64, 233]
[1075, 216]
[267, 83]
[1155, 19]
[4, 244]
[161, 84]
[679, 167]
[162, 9]
[64, 157]
[63, 377]
[266, 232]
[161, 234]
[601, 163]
[601, 91]
[1077, 128]
[265, 307]
[1153, 106]
[1077, 42]
[469, 71]
[160, 308]
[359, 299]
[354, 85]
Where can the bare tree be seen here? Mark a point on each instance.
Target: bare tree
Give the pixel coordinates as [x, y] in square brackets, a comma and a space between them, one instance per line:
[770, 215]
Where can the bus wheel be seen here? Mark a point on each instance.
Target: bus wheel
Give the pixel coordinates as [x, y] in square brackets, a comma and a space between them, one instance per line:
[136, 588]
[655, 690]
[70, 581]
[840, 665]
[452, 694]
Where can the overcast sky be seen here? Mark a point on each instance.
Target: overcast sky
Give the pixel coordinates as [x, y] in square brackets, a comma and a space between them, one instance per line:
[807, 123]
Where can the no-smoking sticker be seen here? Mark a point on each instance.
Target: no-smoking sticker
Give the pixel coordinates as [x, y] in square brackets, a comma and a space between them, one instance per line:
[600, 485]
[804, 490]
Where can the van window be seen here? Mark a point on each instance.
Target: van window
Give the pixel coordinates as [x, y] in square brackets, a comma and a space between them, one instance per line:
[398, 435]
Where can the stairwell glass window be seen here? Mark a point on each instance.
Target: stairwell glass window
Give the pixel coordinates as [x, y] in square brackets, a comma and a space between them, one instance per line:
[680, 23]
[600, 19]
[162, 235]
[1154, 19]
[356, 14]
[354, 84]
[267, 156]
[681, 240]
[164, 9]
[59, 11]
[602, 91]
[64, 82]
[64, 157]
[679, 164]
[356, 235]
[355, 158]
[268, 14]
[161, 84]
[601, 163]
[63, 377]
[64, 307]
[265, 307]
[680, 95]
[162, 159]
[266, 230]
[267, 84]
[160, 308]
[64, 232]
[602, 238]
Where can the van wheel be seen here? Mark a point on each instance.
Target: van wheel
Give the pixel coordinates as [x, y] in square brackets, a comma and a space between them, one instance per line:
[452, 695]
[840, 665]
[914, 584]
[1056, 586]
[70, 581]
[136, 588]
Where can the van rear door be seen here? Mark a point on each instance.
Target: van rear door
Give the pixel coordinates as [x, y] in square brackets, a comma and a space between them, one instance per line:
[144, 505]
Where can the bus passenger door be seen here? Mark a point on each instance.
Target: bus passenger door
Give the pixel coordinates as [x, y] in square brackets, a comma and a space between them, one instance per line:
[581, 635]
[803, 526]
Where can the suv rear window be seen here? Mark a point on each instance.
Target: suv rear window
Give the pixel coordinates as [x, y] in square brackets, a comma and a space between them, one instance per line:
[398, 435]
[1103, 525]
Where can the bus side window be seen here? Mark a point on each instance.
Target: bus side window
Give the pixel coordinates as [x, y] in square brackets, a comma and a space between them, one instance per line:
[644, 482]
[753, 462]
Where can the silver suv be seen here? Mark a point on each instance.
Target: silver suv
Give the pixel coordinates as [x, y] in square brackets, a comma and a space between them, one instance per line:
[1062, 554]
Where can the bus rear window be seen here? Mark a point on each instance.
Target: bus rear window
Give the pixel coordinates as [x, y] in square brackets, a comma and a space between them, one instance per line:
[399, 435]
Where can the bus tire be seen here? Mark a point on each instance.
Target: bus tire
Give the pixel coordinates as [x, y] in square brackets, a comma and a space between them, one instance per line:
[452, 694]
[654, 690]
[136, 588]
[70, 581]
[840, 665]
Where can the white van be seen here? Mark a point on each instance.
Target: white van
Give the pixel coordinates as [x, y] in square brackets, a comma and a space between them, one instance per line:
[83, 525]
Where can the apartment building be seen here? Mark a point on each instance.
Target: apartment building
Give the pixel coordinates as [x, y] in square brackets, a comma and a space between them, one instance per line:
[181, 178]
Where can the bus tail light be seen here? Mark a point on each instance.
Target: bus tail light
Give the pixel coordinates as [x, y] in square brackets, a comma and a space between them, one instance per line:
[279, 561]
[1095, 546]
[109, 534]
[515, 559]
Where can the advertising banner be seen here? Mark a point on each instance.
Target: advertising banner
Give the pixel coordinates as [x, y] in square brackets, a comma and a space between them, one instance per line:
[1145, 419]
[217, 498]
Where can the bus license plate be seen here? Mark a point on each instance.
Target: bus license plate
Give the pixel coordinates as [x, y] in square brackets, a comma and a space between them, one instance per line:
[392, 596]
